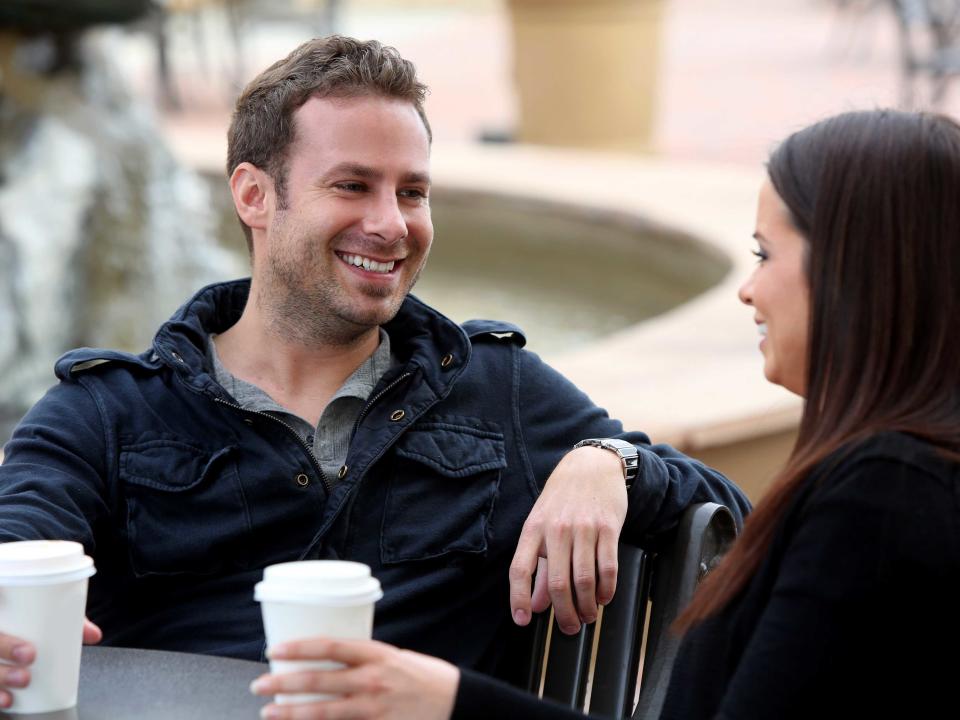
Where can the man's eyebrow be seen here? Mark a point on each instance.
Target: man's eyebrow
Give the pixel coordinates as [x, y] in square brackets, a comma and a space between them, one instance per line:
[364, 171]
[416, 177]
[355, 170]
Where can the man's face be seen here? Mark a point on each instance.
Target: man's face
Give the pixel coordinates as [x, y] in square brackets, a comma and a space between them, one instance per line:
[354, 232]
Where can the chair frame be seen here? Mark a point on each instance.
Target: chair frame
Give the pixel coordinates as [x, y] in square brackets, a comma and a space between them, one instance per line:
[598, 668]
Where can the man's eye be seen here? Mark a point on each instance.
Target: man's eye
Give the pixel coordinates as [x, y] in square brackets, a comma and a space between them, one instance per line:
[413, 193]
[350, 187]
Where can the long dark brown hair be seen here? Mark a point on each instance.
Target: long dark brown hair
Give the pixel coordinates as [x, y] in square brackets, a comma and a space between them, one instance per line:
[877, 197]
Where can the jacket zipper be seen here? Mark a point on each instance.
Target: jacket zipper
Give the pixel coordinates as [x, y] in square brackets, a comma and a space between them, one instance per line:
[373, 401]
[303, 444]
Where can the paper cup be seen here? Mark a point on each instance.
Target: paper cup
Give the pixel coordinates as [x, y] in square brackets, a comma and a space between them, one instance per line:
[311, 598]
[43, 596]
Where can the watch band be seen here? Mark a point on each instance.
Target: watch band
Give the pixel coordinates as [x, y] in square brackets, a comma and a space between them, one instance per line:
[627, 452]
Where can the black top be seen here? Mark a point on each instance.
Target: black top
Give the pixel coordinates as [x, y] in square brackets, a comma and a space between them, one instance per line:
[855, 612]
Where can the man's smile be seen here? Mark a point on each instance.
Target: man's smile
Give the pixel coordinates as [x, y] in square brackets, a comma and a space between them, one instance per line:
[368, 264]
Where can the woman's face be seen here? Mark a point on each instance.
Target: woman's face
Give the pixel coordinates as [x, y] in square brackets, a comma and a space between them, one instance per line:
[778, 292]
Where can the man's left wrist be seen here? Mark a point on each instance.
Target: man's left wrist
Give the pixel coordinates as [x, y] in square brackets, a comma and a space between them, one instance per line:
[626, 452]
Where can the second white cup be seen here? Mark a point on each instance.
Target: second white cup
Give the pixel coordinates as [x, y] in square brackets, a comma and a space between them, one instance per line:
[43, 594]
[310, 598]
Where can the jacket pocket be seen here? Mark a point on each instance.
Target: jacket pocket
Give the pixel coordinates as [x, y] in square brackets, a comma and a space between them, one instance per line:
[185, 508]
[442, 492]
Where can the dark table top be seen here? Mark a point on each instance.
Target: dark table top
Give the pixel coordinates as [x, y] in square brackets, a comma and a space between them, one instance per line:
[127, 684]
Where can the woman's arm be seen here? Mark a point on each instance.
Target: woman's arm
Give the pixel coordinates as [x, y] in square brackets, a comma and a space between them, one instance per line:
[377, 681]
[381, 682]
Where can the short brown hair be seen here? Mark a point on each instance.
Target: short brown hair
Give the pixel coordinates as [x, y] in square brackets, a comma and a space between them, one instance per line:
[261, 129]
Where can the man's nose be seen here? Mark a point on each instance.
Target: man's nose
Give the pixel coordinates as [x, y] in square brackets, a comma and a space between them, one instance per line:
[386, 219]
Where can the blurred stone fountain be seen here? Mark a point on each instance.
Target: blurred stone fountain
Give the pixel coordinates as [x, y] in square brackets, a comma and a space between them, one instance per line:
[102, 233]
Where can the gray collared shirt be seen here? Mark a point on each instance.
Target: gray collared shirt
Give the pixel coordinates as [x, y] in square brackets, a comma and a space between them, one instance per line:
[330, 440]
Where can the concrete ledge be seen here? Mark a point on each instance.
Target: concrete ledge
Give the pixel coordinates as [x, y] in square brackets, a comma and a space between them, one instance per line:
[693, 376]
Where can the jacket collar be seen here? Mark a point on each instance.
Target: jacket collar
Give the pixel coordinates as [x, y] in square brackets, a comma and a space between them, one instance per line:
[420, 337]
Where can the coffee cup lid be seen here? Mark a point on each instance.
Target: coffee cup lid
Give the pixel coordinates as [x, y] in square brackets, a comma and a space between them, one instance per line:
[324, 582]
[43, 562]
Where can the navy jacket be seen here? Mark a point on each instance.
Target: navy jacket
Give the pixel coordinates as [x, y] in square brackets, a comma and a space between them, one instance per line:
[183, 498]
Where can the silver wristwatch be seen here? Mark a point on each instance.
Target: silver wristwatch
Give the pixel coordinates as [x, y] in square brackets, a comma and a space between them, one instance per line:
[629, 458]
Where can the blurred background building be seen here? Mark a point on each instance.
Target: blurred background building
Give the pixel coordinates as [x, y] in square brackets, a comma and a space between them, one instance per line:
[596, 164]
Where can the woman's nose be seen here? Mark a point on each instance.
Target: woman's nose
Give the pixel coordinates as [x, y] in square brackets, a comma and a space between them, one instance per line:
[745, 293]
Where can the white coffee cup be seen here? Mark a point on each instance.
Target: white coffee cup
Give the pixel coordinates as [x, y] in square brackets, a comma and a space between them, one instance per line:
[310, 598]
[43, 598]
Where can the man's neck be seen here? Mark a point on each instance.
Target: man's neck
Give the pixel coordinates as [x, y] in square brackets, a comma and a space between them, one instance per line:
[301, 378]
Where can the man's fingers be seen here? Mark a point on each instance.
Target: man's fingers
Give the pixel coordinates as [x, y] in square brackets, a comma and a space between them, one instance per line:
[521, 571]
[559, 541]
[585, 572]
[15, 650]
[14, 676]
[91, 633]
[541, 595]
[607, 567]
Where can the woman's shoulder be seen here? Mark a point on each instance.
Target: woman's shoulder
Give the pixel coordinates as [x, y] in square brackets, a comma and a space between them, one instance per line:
[890, 489]
[883, 515]
[899, 446]
[887, 458]
[888, 480]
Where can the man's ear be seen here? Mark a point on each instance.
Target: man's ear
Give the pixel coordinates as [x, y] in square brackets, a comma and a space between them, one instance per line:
[252, 191]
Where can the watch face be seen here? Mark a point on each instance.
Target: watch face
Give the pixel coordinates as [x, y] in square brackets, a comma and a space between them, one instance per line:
[627, 452]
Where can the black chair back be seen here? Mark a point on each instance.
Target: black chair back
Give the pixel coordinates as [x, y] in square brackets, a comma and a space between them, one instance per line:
[598, 668]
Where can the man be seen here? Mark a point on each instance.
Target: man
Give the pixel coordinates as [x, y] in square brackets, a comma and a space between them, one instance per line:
[319, 411]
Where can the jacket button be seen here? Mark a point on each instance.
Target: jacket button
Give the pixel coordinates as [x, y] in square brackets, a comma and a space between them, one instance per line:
[397, 415]
[343, 472]
[446, 360]
[302, 480]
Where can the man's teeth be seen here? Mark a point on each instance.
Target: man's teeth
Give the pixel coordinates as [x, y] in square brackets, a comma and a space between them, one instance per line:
[368, 264]
[762, 327]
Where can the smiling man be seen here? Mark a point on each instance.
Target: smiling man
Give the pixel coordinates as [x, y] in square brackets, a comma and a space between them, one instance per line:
[317, 410]
[337, 241]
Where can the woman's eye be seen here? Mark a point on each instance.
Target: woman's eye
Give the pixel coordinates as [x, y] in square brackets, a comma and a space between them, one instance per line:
[759, 254]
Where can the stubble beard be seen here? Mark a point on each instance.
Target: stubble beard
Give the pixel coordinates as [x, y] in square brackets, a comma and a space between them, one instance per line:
[305, 304]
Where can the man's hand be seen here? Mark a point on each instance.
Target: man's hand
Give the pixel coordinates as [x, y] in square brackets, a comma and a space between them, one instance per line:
[22, 654]
[575, 525]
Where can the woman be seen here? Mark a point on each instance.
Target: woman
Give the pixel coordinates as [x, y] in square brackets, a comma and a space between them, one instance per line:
[841, 597]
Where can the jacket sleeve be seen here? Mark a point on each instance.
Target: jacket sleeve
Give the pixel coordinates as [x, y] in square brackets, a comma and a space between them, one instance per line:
[52, 481]
[480, 697]
[554, 415]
